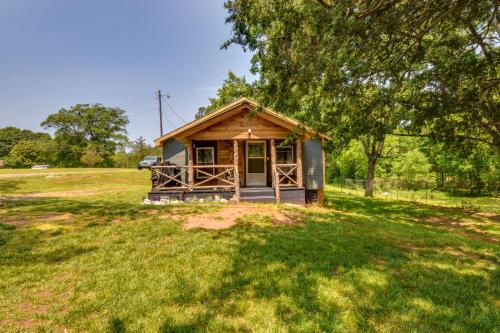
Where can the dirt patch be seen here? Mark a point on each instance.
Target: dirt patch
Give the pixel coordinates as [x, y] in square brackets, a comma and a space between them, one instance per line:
[35, 174]
[489, 215]
[411, 246]
[228, 216]
[20, 221]
[31, 308]
[65, 194]
[463, 227]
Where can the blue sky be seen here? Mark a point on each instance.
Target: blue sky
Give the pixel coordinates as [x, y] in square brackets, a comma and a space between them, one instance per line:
[56, 53]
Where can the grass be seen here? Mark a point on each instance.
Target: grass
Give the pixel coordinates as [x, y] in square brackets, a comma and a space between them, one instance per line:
[428, 197]
[79, 252]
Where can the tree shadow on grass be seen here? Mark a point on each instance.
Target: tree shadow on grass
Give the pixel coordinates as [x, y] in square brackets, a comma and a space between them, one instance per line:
[171, 326]
[28, 249]
[374, 206]
[10, 185]
[96, 208]
[329, 275]
[437, 218]
[117, 325]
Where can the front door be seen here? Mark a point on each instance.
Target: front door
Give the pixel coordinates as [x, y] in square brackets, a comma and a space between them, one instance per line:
[256, 163]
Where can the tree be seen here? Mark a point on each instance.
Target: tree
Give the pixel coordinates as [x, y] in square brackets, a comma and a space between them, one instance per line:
[351, 162]
[91, 157]
[357, 69]
[140, 149]
[27, 153]
[10, 136]
[232, 88]
[83, 126]
[136, 152]
[412, 167]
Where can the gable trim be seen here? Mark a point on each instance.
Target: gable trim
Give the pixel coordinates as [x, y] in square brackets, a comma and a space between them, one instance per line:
[209, 119]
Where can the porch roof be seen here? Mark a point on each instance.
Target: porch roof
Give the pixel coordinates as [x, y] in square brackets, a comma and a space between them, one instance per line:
[230, 110]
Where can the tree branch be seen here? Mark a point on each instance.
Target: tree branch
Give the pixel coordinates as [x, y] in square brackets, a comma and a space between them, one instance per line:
[463, 137]
[325, 3]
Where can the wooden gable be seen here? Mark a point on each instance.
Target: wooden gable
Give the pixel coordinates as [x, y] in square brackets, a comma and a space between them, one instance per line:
[233, 122]
[238, 126]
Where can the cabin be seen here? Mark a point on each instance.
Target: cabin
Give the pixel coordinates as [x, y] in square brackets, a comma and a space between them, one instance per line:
[241, 152]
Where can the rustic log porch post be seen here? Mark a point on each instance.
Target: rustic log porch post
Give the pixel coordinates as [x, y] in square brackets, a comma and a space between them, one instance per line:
[300, 181]
[189, 146]
[236, 171]
[275, 174]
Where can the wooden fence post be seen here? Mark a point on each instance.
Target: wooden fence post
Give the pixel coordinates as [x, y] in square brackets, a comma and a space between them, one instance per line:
[236, 171]
[189, 147]
[300, 182]
[275, 174]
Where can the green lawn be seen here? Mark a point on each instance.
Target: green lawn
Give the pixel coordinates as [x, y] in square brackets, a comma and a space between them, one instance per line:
[79, 252]
[428, 197]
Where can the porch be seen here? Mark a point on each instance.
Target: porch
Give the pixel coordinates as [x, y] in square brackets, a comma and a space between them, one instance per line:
[241, 170]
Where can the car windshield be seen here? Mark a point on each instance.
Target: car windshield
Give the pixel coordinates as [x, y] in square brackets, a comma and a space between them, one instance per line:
[150, 158]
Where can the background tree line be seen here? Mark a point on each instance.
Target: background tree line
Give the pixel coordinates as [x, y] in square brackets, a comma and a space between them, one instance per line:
[84, 135]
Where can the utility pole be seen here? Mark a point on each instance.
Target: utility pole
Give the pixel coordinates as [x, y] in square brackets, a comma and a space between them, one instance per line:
[161, 113]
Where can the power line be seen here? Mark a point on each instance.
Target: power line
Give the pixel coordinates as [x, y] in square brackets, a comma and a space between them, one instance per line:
[142, 112]
[136, 99]
[171, 108]
[170, 122]
[134, 106]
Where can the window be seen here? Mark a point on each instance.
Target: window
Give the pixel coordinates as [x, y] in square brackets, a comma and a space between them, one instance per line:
[284, 155]
[256, 150]
[204, 156]
[256, 157]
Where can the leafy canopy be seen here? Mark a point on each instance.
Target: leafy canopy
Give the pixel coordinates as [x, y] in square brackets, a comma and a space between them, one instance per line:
[438, 59]
[84, 125]
[367, 69]
[10, 136]
[27, 153]
[91, 157]
[232, 88]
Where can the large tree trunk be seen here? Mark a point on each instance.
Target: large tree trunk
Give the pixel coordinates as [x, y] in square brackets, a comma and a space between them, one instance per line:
[373, 150]
[370, 176]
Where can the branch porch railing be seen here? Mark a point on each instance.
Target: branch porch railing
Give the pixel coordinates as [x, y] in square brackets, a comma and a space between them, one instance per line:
[222, 174]
[168, 177]
[283, 175]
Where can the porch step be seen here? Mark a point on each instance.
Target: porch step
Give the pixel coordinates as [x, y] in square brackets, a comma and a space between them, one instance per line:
[256, 192]
[262, 199]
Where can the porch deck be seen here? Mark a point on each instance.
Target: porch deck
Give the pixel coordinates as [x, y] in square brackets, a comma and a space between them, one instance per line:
[266, 194]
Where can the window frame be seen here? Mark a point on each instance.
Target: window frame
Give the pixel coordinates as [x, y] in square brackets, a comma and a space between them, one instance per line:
[201, 175]
[286, 162]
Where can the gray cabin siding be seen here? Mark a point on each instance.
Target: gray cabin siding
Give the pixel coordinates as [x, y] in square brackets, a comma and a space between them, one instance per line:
[175, 152]
[312, 161]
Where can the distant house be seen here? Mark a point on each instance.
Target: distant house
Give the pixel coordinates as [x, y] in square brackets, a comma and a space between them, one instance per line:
[244, 152]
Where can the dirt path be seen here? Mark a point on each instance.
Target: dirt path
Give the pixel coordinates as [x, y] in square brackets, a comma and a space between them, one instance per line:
[34, 174]
[228, 216]
[58, 194]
